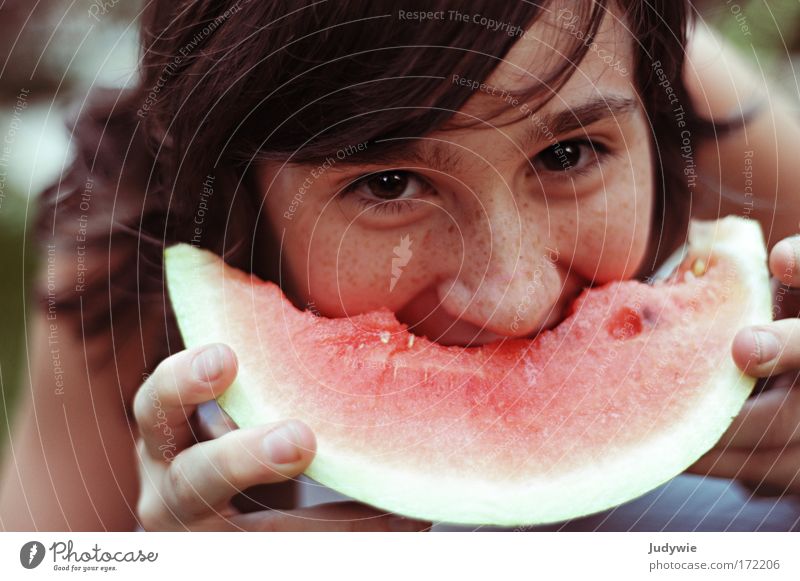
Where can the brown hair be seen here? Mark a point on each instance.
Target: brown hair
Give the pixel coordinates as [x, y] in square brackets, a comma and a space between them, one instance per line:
[224, 83]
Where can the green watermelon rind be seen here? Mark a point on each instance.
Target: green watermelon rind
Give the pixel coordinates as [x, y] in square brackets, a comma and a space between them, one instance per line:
[430, 495]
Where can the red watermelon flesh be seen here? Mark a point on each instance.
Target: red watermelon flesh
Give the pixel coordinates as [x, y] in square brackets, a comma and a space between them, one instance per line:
[626, 392]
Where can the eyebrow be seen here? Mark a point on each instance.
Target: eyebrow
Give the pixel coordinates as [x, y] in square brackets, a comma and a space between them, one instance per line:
[542, 128]
[551, 125]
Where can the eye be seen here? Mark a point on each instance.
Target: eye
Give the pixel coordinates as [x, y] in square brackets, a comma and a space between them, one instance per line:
[391, 190]
[389, 185]
[569, 156]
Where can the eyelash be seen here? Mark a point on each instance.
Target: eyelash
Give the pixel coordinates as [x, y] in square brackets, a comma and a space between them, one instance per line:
[382, 207]
[598, 151]
[385, 207]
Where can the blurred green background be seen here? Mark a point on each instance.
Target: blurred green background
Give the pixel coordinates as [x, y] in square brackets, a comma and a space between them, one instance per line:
[53, 52]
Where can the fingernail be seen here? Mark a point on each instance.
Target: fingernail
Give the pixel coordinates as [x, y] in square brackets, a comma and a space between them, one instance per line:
[284, 444]
[401, 524]
[209, 363]
[767, 346]
[788, 247]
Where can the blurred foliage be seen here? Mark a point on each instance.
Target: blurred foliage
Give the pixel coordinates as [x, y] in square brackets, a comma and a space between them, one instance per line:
[17, 263]
[771, 29]
[55, 48]
[52, 51]
[767, 33]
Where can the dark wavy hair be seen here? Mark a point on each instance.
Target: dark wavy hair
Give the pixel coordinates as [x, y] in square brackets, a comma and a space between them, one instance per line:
[225, 83]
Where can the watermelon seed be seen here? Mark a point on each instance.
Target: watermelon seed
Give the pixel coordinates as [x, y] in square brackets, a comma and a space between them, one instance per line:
[699, 267]
[384, 335]
[410, 341]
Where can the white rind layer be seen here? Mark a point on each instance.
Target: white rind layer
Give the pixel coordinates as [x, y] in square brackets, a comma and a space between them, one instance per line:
[429, 495]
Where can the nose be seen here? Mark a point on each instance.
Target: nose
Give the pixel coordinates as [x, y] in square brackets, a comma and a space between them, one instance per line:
[509, 279]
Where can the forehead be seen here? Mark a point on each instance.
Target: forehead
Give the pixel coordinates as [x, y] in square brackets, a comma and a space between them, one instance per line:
[605, 69]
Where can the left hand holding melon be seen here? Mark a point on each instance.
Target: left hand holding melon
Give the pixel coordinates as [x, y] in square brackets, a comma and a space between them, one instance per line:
[762, 446]
[189, 485]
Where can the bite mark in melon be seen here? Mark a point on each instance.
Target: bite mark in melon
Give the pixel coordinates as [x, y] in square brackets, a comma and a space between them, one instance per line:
[625, 393]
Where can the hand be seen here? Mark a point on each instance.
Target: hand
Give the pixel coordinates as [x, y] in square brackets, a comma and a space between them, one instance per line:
[187, 485]
[762, 446]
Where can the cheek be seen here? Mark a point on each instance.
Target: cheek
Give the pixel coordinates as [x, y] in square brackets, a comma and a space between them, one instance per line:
[614, 225]
[344, 269]
[340, 268]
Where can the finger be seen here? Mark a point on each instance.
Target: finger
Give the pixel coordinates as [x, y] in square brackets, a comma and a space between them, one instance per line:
[784, 261]
[336, 516]
[203, 478]
[163, 405]
[151, 473]
[769, 420]
[776, 467]
[770, 349]
[152, 512]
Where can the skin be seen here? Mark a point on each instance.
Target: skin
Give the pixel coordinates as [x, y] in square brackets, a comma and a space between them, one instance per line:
[762, 446]
[191, 488]
[482, 231]
[462, 285]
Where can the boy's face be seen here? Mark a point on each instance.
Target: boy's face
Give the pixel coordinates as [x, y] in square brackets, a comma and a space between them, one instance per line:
[485, 231]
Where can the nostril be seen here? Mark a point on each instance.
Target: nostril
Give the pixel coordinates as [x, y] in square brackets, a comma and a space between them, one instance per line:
[625, 323]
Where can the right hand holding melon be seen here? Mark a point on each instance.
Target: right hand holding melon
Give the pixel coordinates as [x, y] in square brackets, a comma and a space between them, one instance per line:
[186, 485]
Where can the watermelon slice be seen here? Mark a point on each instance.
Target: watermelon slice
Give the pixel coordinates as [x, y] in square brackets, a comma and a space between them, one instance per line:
[625, 393]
